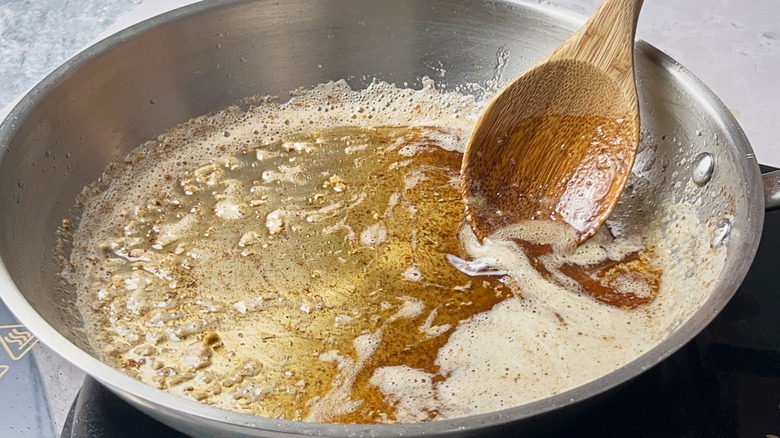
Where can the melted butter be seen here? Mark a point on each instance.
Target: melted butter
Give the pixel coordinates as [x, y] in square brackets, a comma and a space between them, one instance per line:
[268, 263]
[303, 246]
[628, 283]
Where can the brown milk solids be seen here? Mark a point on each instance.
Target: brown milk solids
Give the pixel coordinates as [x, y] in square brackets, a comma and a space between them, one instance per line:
[291, 261]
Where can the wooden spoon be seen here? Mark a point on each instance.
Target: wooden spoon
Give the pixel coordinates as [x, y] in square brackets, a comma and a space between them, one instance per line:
[558, 143]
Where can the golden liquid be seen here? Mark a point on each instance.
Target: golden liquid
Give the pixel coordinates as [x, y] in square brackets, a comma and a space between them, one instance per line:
[311, 270]
[287, 275]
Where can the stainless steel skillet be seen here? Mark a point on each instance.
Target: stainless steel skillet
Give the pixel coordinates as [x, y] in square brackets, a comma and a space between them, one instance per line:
[132, 86]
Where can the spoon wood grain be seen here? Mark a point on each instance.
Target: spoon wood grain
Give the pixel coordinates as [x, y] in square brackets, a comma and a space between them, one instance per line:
[558, 143]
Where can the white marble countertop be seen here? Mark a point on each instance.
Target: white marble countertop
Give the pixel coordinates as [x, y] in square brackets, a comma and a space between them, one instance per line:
[732, 45]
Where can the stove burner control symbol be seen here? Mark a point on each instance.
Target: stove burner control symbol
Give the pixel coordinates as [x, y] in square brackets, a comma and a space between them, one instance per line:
[16, 340]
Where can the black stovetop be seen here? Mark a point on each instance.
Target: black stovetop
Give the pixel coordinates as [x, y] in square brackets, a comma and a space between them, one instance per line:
[724, 383]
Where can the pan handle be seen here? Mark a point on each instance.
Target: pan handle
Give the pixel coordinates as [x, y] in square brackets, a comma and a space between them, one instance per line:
[771, 189]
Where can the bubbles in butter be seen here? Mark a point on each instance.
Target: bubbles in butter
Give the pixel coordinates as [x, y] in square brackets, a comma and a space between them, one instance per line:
[290, 261]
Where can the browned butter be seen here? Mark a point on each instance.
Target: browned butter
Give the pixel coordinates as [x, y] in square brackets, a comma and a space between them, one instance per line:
[290, 262]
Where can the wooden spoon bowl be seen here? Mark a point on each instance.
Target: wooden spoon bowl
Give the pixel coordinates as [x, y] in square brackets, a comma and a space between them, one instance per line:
[558, 143]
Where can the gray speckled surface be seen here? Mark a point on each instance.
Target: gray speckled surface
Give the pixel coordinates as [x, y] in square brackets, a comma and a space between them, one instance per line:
[38, 35]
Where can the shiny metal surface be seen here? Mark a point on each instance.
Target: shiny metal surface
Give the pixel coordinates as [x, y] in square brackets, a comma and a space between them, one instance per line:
[134, 85]
[771, 182]
[703, 166]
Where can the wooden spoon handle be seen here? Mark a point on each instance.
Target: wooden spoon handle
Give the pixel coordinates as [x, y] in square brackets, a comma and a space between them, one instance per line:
[602, 41]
